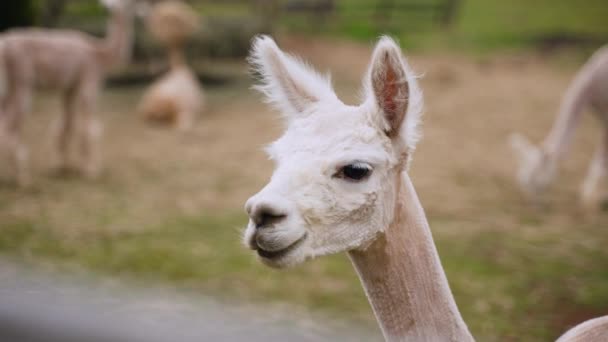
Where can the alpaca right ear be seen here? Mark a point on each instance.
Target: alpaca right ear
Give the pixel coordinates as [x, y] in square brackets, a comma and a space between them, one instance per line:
[290, 85]
[393, 89]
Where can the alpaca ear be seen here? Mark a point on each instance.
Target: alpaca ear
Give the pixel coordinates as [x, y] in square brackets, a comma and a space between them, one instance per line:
[290, 85]
[394, 91]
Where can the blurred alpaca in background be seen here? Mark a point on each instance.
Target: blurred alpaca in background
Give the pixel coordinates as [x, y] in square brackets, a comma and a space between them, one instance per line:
[72, 62]
[176, 97]
[538, 165]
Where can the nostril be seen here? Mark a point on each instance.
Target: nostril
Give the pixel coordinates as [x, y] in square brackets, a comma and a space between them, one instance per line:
[248, 207]
[265, 216]
[268, 219]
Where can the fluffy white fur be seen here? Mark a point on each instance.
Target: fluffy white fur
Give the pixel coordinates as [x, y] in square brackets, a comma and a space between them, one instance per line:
[332, 214]
[309, 208]
[288, 83]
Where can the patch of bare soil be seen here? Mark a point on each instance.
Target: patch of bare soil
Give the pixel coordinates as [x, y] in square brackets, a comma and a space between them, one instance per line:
[463, 169]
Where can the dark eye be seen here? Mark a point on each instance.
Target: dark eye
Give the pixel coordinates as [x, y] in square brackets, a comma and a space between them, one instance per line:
[355, 171]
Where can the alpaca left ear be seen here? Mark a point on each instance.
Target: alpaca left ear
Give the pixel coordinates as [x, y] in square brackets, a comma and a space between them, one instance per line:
[394, 91]
[289, 84]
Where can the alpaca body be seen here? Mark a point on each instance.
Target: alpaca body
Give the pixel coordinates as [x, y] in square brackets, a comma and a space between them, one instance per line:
[341, 185]
[41, 69]
[176, 97]
[70, 62]
[538, 165]
[593, 330]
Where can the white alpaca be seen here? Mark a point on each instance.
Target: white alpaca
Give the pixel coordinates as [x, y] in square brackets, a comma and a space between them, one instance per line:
[71, 62]
[538, 165]
[341, 184]
[177, 96]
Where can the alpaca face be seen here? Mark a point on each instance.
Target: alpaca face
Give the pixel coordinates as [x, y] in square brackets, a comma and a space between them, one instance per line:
[536, 170]
[117, 5]
[337, 167]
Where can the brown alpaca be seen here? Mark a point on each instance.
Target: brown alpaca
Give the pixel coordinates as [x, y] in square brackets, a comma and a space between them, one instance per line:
[75, 64]
[176, 97]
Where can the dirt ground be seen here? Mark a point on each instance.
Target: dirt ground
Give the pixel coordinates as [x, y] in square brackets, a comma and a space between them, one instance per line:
[463, 169]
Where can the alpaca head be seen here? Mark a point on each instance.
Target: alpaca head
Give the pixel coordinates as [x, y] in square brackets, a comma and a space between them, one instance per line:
[117, 5]
[172, 22]
[336, 166]
[535, 168]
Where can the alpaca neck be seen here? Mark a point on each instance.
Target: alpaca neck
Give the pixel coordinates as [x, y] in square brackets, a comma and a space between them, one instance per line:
[176, 57]
[117, 45]
[576, 98]
[404, 280]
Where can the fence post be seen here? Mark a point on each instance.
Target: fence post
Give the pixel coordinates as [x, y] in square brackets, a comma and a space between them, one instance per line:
[450, 12]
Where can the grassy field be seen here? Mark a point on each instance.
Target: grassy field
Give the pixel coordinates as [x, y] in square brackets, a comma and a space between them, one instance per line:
[480, 25]
[168, 207]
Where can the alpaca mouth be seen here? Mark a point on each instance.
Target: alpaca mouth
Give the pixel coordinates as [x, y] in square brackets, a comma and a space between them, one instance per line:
[281, 253]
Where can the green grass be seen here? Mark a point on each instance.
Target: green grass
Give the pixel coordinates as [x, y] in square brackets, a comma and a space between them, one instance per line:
[507, 284]
[480, 24]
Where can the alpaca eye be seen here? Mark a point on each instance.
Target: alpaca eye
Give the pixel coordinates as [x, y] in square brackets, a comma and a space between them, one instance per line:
[355, 172]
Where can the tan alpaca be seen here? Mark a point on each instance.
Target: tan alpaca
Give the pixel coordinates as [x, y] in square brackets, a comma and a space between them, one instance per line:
[176, 97]
[538, 165]
[70, 62]
[341, 185]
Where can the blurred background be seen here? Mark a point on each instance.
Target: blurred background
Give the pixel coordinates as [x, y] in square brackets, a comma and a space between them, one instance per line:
[167, 211]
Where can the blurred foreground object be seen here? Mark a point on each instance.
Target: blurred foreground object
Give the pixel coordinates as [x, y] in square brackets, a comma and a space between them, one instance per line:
[176, 98]
[40, 307]
[538, 165]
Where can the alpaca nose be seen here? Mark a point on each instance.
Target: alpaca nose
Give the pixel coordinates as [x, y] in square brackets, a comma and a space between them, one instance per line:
[265, 214]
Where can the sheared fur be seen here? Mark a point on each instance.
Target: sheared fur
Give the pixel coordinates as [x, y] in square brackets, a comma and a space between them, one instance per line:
[309, 208]
[593, 330]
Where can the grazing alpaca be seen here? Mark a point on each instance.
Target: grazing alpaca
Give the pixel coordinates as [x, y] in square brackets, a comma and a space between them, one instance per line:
[71, 62]
[177, 96]
[538, 165]
[341, 184]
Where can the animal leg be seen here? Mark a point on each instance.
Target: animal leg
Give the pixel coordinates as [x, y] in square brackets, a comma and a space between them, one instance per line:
[20, 158]
[90, 132]
[591, 193]
[16, 108]
[64, 130]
